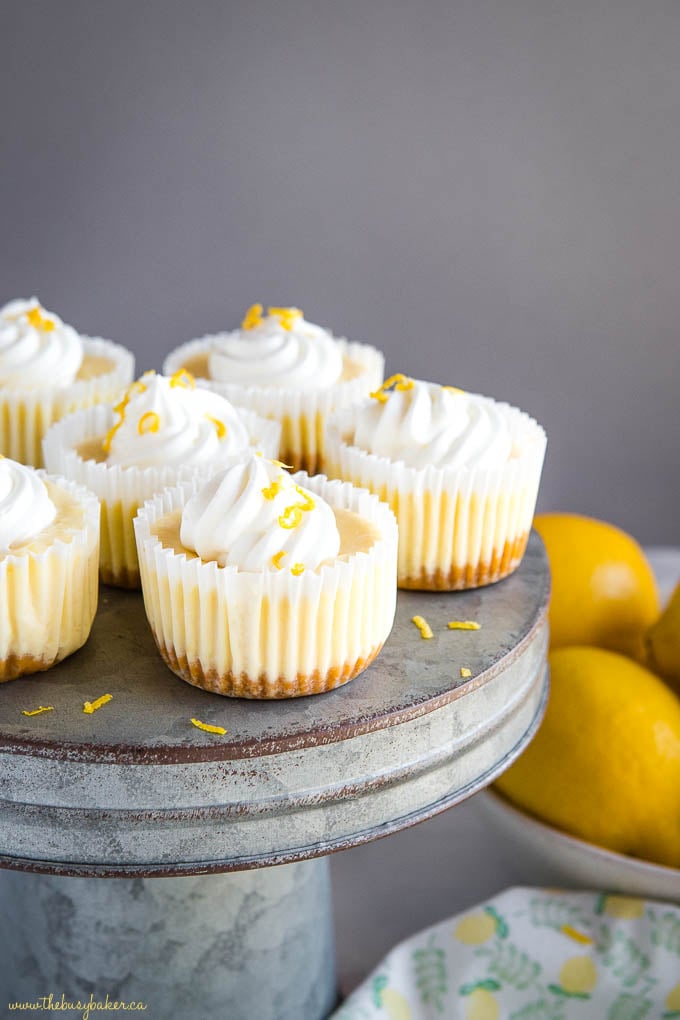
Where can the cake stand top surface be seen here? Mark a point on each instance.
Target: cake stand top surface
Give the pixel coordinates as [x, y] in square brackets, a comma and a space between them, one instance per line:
[148, 719]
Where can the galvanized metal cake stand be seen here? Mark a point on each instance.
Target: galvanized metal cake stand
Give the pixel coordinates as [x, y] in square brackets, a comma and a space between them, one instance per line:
[136, 792]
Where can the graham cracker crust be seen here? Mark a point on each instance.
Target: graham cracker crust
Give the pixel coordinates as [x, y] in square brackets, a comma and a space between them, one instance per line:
[15, 666]
[472, 575]
[262, 687]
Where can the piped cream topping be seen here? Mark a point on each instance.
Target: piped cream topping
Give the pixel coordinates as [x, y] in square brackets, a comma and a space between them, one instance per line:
[421, 423]
[36, 347]
[25, 506]
[253, 516]
[166, 421]
[277, 349]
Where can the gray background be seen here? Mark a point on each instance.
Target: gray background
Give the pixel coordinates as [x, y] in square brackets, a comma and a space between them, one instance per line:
[486, 189]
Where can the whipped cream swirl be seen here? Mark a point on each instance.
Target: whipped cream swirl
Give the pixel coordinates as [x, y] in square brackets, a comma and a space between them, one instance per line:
[25, 506]
[421, 423]
[36, 347]
[166, 422]
[280, 349]
[253, 516]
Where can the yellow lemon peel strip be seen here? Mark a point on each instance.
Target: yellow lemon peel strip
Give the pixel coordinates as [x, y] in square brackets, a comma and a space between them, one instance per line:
[91, 706]
[149, 422]
[208, 728]
[291, 517]
[279, 463]
[38, 711]
[39, 320]
[423, 626]
[219, 425]
[276, 559]
[297, 569]
[287, 316]
[253, 318]
[465, 672]
[399, 381]
[464, 625]
[577, 936]
[308, 503]
[271, 491]
[184, 379]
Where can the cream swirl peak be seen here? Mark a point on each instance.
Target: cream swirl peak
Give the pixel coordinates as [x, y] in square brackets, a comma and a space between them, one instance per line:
[280, 349]
[421, 423]
[36, 347]
[25, 506]
[253, 516]
[165, 421]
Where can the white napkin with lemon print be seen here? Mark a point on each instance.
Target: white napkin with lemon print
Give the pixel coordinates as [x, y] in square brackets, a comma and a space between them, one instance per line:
[533, 954]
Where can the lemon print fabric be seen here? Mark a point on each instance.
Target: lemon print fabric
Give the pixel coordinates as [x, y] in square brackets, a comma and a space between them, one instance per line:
[533, 954]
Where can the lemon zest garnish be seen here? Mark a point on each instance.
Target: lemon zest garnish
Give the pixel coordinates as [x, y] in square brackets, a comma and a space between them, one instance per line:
[423, 626]
[91, 706]
[577, 936]
[219, 425]
[279, 463]
[464, 625]
[309, 503]
[271, 491]
[106, 444]
[149, 422]
[137, 386]
[38, 711]
[208, 728]
[287, 316]
[276, 559]
[398, 381]
[291, 517]
[297, 569]
[184, 379]
[453, 389]
[465, 672]
[253, 317]
[39, 320]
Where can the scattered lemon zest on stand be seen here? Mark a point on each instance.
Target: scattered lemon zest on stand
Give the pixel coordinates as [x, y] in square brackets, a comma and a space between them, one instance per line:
[465, 672]
[38, 711]
[91, 706]
[464, 625]
[208, 728]
[423, 626]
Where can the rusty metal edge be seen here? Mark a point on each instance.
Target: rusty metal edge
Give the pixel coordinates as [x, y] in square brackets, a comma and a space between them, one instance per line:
[70, 870]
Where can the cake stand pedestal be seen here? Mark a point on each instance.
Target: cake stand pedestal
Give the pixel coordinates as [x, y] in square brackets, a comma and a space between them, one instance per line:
[238, 826]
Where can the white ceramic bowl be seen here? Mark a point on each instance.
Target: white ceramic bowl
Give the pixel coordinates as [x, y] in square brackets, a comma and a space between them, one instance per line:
[551, 857]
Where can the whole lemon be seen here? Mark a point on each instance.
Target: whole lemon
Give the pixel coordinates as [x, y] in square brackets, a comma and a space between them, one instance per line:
[605, 763]
[603, 588]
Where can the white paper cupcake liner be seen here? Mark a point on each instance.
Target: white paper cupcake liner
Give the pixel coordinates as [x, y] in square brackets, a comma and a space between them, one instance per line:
[458, 527]
[302, 413]
[270, 634]
[121, 490]
[26, 414]
[48, 598]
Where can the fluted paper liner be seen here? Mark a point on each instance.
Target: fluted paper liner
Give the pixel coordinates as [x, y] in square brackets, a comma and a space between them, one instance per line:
[48, 598]
[302, 413]
[26, 413]
[121, 490]
[269, 634]
[458, 527]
